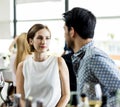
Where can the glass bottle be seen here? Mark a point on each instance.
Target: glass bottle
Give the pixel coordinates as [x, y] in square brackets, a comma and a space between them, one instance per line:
[104, 100]
[84, 102]
[39, 103]
[74, 99]
[98, 97]
[28, 102]
[98, 92]
[16, 102]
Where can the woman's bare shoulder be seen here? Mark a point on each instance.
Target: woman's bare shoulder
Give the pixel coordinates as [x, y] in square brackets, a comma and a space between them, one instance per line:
[20, 65]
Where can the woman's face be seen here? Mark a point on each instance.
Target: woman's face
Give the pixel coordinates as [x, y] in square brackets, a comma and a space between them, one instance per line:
[41, 40]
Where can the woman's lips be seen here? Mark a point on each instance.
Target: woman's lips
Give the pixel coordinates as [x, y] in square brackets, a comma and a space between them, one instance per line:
[42, 46]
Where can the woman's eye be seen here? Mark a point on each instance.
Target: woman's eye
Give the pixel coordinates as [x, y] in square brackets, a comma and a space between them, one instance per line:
[40, 38]
[48, 37]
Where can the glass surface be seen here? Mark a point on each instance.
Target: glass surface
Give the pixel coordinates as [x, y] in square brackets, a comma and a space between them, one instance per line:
[40, 10]
[107, 35]
[107, 12]
[57, 32]
[6, 43]
[98, 7]
[107, 29]
[108, 22]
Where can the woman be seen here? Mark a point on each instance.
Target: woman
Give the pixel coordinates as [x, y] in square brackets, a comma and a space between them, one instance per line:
[22, 51]
[43, 76]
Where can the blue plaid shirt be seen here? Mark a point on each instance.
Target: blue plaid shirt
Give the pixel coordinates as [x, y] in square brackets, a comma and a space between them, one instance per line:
[93, 66]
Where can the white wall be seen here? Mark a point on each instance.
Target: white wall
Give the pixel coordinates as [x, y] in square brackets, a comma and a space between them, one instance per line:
[4, 19]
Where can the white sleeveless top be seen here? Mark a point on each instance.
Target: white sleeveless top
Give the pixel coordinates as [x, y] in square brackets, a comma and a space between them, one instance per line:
[42, 80]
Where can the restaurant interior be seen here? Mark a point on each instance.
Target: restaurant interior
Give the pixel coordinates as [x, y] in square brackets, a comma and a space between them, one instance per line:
[17, 16]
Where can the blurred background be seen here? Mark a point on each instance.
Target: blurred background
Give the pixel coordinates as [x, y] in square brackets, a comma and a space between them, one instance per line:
[17, 16]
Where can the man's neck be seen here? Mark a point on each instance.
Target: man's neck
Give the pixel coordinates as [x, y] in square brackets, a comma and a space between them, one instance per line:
[80, 43]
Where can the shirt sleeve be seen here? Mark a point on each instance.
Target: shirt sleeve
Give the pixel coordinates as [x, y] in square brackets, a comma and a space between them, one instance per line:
[107, 73]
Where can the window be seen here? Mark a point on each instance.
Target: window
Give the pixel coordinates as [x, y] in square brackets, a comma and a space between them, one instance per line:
[48, 13]
[108, 22]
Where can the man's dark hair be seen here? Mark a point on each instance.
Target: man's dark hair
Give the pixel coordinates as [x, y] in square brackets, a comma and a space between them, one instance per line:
[82, 20]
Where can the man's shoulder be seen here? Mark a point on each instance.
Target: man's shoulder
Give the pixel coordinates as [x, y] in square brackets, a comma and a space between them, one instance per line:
[95, 52]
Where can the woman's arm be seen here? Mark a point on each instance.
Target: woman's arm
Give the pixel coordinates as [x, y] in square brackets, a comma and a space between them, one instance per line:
[20, 82]
[65, 84]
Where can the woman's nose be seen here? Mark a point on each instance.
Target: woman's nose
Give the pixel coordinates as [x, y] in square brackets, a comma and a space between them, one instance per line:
[43, 41]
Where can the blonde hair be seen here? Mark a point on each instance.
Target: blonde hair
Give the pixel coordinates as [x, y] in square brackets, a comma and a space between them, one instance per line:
[23, 49]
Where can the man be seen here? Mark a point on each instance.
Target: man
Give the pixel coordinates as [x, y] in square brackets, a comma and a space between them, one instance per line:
[92, 66]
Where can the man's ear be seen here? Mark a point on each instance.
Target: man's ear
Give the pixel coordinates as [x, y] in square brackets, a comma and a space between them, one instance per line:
[72, 32]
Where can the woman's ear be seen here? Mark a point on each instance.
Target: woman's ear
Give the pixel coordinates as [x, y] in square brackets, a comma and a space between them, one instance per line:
[30, 41]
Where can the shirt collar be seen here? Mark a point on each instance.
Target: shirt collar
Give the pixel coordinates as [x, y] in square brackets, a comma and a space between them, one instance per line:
[82, 50]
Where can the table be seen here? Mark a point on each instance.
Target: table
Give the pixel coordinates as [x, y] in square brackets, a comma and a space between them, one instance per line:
[7, 74]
